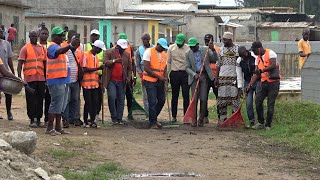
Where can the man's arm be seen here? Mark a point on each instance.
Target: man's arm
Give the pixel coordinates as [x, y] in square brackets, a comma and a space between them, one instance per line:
[239, 73]
[138, 62]
[19, 68]
[10, 56]
[129, 69]
[169, 59]
[6, 73]
[149, 71]
[188, 65]
[272, 66]
[133, 64]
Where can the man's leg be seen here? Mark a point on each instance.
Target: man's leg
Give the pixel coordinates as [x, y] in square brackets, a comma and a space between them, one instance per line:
[47, 100]
[203, 94]
[273, 91]
[92, 101]
[175, 86]
[120, 100]
[57, 93]
[152, 100]
[100, 96]
[185, 92]
[8, 106]
[74, 104]
[161, 99]
[249, 104]
[94, 97]
[87, 103]
[261, 93]
[129, 97]
[31, 105]
[145, 97]
[40, 91]
[112, 97]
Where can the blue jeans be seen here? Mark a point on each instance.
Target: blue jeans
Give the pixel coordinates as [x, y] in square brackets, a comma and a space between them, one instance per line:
[156, 99]
[59, 98]
[116, 100]
[72, 111]
[249, 103]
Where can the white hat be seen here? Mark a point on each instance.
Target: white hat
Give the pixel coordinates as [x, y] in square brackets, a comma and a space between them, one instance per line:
[122, 43]
[99, 44]
[95, 31]
[228, 35]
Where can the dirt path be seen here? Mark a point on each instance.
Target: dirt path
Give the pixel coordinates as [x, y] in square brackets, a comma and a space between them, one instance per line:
[210, 153]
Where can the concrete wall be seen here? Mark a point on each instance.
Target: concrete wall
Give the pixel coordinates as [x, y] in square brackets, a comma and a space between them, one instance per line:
[242, 33]
[8, 13]
[200, 26]
[32, 23]
[285, 34]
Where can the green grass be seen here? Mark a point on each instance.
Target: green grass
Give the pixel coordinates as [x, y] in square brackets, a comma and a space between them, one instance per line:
[62, 154]
[295, 123]
[100, 172]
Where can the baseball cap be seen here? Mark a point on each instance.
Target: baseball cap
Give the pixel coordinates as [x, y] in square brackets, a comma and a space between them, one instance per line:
[99, 44]
[57, 30]
[122, 43]
[163, 43]
[95, 31]
[208, 36]
[256, 45]
[123, 36]
[180, 39]
[192, 42]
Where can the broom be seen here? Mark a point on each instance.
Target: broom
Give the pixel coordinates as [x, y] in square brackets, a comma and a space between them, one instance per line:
[189, 117]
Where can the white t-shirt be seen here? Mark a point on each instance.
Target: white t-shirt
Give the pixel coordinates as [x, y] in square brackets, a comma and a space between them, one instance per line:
[147, 55]
[272, 55]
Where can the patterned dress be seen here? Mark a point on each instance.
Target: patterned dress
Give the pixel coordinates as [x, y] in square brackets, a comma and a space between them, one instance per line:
[227, 88]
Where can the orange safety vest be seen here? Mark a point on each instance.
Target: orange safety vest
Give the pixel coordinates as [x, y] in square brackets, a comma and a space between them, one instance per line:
[57, 68]
[78, 53]
[33, 64]
[265, 63]
[91, 79]
[213, 65]
[156, 66]
[128, 50]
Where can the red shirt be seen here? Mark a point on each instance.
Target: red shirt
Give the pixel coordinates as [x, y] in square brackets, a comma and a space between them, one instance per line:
[12, 33]
[117, 71]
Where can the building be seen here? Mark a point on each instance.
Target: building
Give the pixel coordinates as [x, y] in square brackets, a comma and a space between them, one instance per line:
[12, 12]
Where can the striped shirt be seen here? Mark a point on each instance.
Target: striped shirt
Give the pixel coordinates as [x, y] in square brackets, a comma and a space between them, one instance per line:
[73, 67]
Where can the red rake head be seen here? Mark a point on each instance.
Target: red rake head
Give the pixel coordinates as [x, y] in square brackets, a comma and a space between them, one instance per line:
[189, 116]
[234, 121]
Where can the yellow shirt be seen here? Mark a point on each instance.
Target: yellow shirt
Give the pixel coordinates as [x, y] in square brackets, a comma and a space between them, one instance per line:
[305, 47]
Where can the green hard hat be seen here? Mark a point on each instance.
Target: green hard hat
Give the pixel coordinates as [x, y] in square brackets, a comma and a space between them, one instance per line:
[192, 41]
[123, 36]
[57, 30]
[180, 39]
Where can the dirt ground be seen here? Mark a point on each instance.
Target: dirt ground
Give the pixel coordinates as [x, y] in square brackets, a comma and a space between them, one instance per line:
[207, 152]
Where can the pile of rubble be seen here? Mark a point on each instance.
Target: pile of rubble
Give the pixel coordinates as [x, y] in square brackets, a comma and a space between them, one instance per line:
[15, 164]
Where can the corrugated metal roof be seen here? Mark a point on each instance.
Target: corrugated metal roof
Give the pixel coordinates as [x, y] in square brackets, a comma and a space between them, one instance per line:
[230, 24]
[241, 17]
[242, 11]
[91, 17]
[161, 7]
[285, 24]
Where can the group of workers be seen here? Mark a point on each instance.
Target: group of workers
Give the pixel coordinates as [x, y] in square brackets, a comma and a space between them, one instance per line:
[58, 69]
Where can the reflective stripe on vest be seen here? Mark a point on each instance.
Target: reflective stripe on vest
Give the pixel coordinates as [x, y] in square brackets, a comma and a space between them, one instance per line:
[265, 63]
[158, 67]
[57, 68]
[91, 79]
[33, 64]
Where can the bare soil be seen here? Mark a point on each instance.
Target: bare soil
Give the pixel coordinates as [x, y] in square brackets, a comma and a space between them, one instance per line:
[206, 151]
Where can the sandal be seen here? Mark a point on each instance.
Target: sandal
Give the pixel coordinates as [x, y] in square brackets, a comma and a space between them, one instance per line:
[53, 132]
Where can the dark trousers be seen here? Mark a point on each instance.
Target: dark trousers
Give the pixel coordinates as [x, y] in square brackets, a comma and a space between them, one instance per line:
[129, 96]
[47, 101]
[35, 100]
[156, 99]
[90, 102]
[271, 91]
[8, 102]
[201, 94]
[215, 91]
[100, 96]
[179, 79]
[72, 112]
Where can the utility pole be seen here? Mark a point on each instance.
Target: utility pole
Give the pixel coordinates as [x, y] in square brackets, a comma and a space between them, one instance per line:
[301, 8]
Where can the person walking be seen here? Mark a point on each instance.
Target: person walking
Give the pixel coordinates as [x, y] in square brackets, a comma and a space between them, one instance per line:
[117, 73]
[304, 48]
[95, 35]
[32, 58]
[268, 85]
[12, 33]
[195, 57]
[90, 82]
[215, 50]
[178, 76]
[6, 55]
[131, 84]
[226, 78]
[145, 38]
[58, 78]
[71, 114]
[156, 80]
[246, 62]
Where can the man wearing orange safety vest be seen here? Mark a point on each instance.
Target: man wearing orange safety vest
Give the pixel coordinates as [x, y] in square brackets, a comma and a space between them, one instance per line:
[58, 79]
[215, 49]
[129, 88]
[90, 82]
[269, 84]
[71, 114]
[156, 79]
[95, 35]
[33, 57]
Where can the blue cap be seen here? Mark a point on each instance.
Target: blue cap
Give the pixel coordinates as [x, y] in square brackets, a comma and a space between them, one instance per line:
[163, 43]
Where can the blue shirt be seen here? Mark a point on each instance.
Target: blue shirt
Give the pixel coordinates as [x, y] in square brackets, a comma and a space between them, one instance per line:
[198, 60]
[52, 55]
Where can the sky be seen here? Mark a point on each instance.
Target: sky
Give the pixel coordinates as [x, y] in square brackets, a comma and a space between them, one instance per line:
[223, 2]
